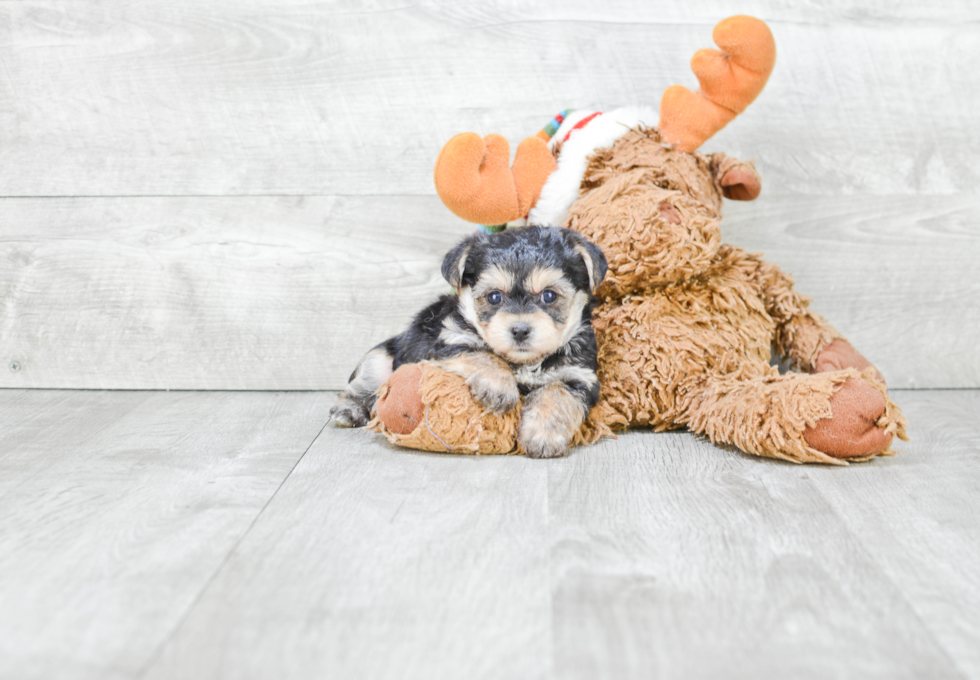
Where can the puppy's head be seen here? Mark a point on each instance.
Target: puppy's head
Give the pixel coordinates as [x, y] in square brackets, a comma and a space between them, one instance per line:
[527, 290]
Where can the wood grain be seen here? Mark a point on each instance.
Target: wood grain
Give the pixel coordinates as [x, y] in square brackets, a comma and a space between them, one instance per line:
[288, 293]
[116, 508]
[674, 559]
[138, 538]
[655, 555]
[260, 293]
[323, 120]
[267, 97]
[923, 524]
[377, 563]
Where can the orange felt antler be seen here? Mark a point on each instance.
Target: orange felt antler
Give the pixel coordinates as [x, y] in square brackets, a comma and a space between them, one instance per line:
[474, 181]
[730, 81]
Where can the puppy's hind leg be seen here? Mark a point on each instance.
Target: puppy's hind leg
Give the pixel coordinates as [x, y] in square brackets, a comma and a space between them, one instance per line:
[353, 408]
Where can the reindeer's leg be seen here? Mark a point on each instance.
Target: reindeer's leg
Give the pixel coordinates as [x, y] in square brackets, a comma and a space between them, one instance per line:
[823, 418]
[802, 336]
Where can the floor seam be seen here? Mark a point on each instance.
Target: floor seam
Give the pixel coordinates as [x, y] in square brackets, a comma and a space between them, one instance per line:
[155, 656]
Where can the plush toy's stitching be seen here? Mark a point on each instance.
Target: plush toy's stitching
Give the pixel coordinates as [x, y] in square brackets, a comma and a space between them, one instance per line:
[432, 432]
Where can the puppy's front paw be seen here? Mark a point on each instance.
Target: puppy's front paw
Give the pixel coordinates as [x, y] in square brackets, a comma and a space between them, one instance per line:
[349, 413]
[497, 390]
[542, 444]
[550, 418]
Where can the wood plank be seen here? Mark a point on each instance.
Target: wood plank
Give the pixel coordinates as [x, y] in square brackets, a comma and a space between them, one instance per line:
[34, 421]
[650, 555]
[288, 293]
[675, 559]
[195, 293]
[117, 508]
[261, 97]
[656, 555]
[378, 563]
[923, 526]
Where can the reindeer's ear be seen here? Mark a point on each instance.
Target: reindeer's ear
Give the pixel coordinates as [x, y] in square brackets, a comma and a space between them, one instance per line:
[454, 263]
[738, 180]
[592, 256]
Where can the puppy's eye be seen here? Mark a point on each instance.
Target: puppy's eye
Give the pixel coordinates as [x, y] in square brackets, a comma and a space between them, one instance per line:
[495, 297]
[549, 296]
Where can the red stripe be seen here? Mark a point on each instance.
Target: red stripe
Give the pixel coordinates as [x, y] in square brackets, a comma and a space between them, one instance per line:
[581, 124]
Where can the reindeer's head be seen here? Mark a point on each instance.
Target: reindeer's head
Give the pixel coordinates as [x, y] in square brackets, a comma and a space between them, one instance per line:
[650, 200]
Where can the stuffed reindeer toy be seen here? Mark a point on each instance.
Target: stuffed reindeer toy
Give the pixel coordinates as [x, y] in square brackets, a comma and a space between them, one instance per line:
[685, 324]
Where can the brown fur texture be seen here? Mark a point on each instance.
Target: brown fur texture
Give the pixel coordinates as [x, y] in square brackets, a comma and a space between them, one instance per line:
[488, 378]
[685, 331]
[633, 195]
[686, 325]
[452, 421]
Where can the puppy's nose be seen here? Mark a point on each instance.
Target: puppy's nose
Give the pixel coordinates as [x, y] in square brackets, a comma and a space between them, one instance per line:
[520, 331]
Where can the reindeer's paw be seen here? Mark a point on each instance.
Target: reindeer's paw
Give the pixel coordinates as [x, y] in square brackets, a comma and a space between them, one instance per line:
[858, 426]
[840, 354]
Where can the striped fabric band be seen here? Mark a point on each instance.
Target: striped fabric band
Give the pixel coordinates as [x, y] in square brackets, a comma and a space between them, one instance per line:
[549, 130]
[492, 228]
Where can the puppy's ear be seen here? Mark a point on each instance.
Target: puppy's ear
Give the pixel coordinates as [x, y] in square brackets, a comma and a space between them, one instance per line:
[592, 256]
[455, 263]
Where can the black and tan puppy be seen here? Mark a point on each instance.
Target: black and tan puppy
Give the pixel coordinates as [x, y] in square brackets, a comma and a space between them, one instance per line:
[520, 323]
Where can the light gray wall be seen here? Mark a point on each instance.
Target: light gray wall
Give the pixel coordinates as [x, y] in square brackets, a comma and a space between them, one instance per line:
[238, 194]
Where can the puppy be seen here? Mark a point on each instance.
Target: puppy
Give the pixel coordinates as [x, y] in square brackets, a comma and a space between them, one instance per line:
[520, 323]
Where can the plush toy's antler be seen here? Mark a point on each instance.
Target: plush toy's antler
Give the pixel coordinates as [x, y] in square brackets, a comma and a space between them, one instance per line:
[730, 81]
[474, 181]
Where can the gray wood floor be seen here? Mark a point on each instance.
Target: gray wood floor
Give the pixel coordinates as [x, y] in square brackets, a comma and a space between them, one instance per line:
[232, 535]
